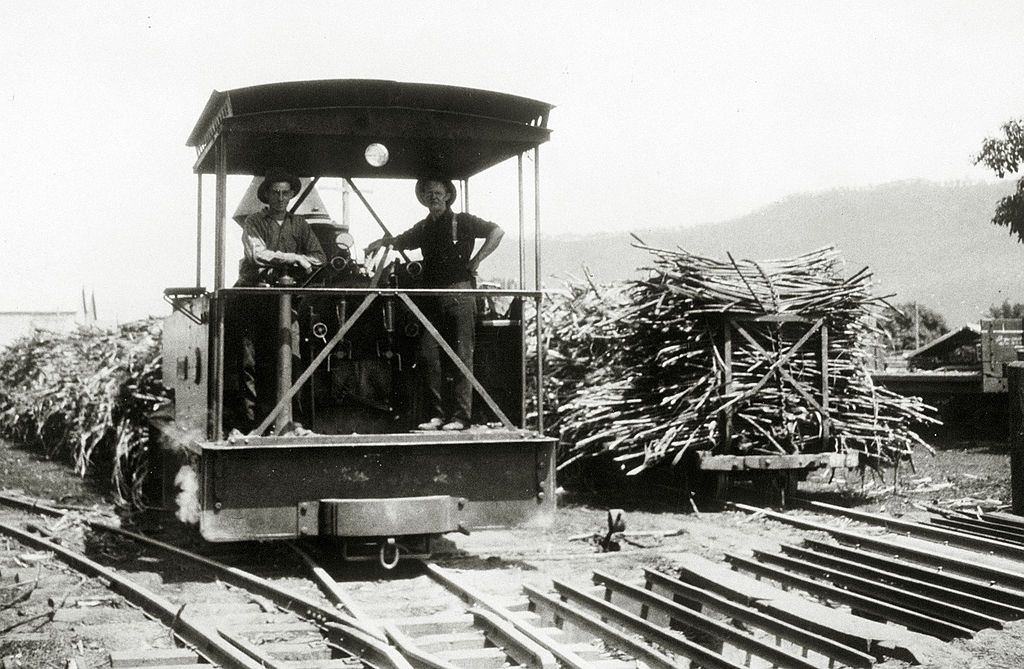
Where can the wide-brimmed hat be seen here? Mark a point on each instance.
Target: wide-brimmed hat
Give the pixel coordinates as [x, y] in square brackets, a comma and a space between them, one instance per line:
[277, 177]
[421, 185]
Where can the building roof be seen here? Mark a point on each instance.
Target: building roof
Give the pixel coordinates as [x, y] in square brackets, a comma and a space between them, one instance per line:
[968, 334]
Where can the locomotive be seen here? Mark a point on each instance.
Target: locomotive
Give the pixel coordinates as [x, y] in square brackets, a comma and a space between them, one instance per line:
[336, 454]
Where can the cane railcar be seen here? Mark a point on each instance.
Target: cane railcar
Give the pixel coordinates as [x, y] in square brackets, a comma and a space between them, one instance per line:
[342, 343]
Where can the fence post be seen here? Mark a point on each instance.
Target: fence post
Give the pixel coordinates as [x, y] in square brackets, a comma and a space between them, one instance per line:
[1015, 378]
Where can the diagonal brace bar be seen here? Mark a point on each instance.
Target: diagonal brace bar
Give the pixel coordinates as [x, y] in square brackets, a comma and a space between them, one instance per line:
[783, 359]
[317, 361]
[458, 361]
[783, 371]
[287, 397]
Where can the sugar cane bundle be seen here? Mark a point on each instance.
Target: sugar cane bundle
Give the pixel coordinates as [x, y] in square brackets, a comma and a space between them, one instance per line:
[580, 329]
[727, 356]
[84, 397]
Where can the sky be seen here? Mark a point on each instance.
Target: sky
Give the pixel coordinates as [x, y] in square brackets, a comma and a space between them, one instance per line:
[666, 113]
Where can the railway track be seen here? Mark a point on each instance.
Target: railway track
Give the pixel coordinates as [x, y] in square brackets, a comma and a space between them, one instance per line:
[859, 589]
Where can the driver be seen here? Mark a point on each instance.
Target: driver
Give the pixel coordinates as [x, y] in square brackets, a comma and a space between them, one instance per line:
[280, 248]
[276, 242]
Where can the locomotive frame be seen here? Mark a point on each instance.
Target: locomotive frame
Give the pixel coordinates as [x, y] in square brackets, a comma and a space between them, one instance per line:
[389, 488]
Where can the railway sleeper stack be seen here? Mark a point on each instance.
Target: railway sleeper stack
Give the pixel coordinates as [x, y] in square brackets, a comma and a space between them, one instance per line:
[852, 599]
[730, 357]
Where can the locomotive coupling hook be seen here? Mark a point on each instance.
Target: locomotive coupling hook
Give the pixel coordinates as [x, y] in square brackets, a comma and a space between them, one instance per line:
[389, 553]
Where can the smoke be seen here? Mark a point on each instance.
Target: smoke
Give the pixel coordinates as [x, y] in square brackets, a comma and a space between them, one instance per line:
[188, 495]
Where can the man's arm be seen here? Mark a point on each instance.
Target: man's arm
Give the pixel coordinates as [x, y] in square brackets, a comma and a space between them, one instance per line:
[312, 250]
[410, 239]
[256, 250]
[491, 242]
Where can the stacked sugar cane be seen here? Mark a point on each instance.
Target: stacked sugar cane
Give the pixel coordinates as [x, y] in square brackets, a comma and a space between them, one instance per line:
[727, 356]
[580, 328]
[85, 397]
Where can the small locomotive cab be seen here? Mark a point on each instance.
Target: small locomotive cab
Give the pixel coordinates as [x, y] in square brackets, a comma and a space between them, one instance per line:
[332, 448]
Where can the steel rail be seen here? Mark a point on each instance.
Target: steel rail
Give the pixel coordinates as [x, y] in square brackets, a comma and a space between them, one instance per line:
[205, 640]
[665, 638]
[251, 650]
[352, 628]
[408, 648]
[986, 519]
[386, 632]
[914, 620]
[832, 649]
[979, 530]
[972, 568]
[514, 643]
[921, 530]
[333, 591]
[954, 613]
[603, 630]
[698, 621]
[918, 586]
[1013, 600]
[694, 574]
[538, 646]
[498, 621]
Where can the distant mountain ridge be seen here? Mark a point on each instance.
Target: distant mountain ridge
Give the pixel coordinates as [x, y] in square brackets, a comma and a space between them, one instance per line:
[926, 241]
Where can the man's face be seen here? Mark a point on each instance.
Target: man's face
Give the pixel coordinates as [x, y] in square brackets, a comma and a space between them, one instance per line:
[436, 197]
[278, 195]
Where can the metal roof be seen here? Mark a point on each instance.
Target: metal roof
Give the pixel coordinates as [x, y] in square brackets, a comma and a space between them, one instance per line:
[322, 128]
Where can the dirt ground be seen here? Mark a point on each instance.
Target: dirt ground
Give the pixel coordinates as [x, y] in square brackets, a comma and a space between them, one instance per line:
[963, 472]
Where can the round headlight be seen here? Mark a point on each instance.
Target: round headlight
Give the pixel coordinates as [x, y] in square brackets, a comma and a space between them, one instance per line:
[344, 241]
[377, 155]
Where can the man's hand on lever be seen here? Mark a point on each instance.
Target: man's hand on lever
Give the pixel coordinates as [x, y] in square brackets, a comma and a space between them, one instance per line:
[375, 245]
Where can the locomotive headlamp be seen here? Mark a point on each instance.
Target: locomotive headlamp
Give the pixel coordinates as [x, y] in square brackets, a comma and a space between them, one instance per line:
[377, 155]
[344, 241]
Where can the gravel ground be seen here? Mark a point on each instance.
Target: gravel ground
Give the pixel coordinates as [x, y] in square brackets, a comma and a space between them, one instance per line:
[963, 472]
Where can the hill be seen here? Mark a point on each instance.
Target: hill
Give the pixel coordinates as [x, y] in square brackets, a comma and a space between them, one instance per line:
[925, 241]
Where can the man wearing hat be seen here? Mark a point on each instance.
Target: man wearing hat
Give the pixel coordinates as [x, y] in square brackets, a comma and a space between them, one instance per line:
[447, 241]
[274, 241]
[280, 248]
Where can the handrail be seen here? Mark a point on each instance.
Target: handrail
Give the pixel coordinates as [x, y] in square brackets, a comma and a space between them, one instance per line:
[382, 291]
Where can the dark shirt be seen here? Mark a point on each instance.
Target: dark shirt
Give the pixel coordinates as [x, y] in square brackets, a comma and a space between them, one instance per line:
[445, 261]
[293, 235]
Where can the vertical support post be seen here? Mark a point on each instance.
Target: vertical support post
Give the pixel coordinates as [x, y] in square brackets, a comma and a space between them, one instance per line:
[522, 286]
[199, 229]
[220, 215]
[826, 421]
[539, 300]
[725, 416]
[522, 226]
[284, 360]
[215, 380]
[465, 195]
[1015, 380]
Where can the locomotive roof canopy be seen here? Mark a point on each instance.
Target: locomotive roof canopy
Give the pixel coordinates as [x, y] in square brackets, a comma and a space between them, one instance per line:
[322, 128]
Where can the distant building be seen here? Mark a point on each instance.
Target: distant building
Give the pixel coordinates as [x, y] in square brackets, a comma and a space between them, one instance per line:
[15, 324]
[958, 350]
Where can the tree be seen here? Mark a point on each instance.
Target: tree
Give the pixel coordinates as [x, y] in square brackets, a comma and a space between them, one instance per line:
[910, 325]
[1005, 155]
[1006, 310]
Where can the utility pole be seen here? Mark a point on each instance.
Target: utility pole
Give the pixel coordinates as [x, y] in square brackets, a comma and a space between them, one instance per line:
[917, 327]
